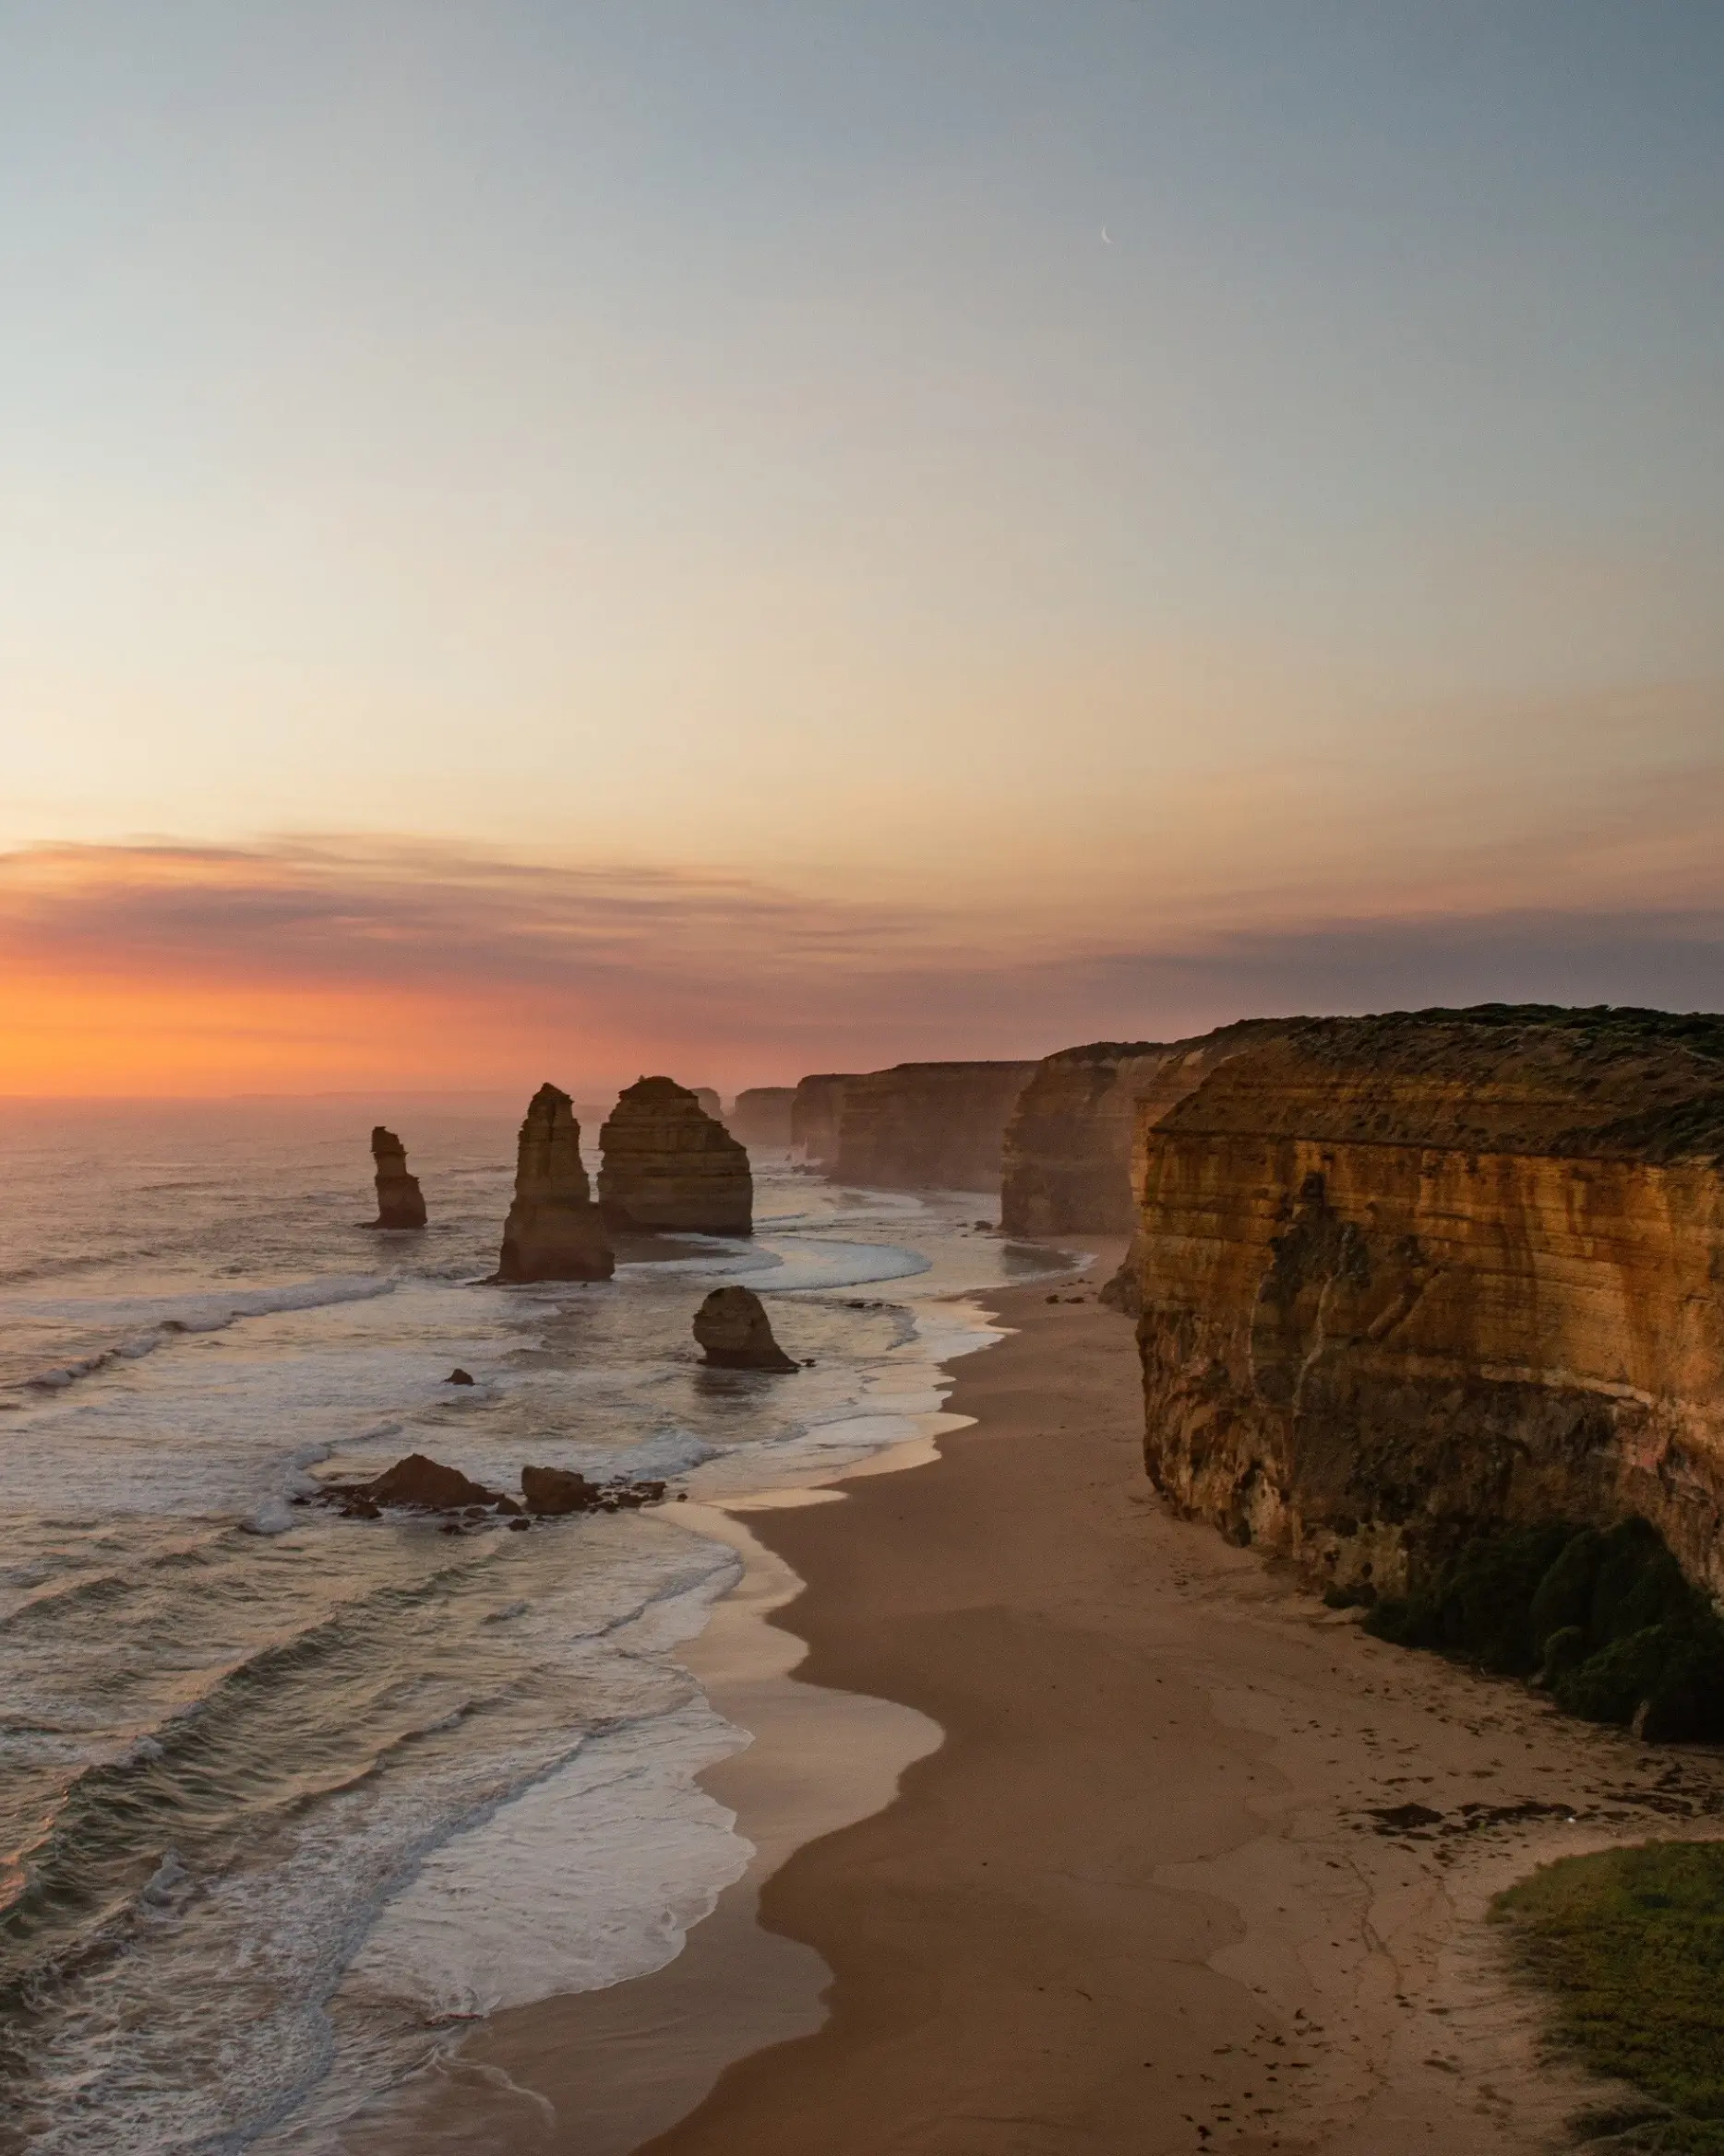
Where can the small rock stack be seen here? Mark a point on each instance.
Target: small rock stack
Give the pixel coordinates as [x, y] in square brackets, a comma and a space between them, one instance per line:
[733, 1331]
[400, 1201]
[667, 1165]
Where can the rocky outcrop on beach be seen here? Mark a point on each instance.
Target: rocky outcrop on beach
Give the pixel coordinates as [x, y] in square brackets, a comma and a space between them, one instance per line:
[761, 1115]
[733, 1332]
[928, 1126]
[666, 1165]
[1068, 1150]
[553, 1230]
[1408, 1282]
[400, 1203]
[814, 1115]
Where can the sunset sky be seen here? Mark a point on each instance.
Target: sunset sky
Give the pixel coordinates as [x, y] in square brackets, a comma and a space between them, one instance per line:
[559, 537]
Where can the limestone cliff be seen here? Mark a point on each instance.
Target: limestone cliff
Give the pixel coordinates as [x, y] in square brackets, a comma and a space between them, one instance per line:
[928, 1126]
[761, 1115]
[814, 1115]
[1067, 1156]
[400, 1201]
[665, 1164]
[1405, 1280]
[553, 1230]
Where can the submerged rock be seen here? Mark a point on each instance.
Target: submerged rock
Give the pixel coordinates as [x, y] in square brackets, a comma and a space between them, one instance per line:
[668, 1164]
[400, 1201]
[553, 1230]
[733, 1331]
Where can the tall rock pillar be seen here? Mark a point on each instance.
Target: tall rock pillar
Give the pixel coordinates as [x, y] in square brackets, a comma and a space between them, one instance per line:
[553, 1230]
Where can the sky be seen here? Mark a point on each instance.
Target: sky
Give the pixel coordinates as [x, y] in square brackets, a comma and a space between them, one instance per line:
[559, 537]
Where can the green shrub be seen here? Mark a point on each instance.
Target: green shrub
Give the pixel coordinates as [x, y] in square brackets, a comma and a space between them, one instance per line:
[1606, 1618]
[1630, 1943]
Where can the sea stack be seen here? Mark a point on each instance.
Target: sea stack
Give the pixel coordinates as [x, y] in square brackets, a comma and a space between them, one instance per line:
[400, 1201]
[553, 1230]
[666, 1165]
[733, 1332]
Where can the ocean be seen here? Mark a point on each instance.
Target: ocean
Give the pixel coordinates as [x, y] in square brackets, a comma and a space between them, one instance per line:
[288, 1801]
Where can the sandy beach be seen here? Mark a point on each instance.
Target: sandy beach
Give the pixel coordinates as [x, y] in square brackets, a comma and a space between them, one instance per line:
[1156, 1889]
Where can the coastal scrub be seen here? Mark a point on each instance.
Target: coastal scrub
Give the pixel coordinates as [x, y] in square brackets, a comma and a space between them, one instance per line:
[1630, 1945]
[1604, 1618]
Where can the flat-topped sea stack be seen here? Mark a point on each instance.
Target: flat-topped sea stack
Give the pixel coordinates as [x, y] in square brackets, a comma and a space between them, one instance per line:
[553, 1230]
[1406, 1281]
[814, 1113]
[400, 1201]
[666, 1165]
[1068, 1151]
[928, 1126]
[761, 1115]
[733, 1331]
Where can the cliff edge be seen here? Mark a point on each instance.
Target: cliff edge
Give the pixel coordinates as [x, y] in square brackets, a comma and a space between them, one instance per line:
[928, 1126]
[1409, 1280]
[1069, 1161]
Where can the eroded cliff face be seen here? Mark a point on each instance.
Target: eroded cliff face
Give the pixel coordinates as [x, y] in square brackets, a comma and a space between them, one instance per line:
[553, 1230]
[1069, 1146]
[1404, 1280]
[814, 1115]
[761, 1115]
[666, 1164]
[928, 1126]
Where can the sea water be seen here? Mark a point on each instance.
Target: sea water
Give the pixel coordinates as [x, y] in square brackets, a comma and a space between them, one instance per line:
[287, 1801]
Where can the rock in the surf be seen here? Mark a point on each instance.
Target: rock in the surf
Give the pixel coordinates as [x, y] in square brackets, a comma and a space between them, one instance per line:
[415, 1484]
[400, 1201]
[668, 1164]
[555, 1492]
[733, 1331]
[553, 1230]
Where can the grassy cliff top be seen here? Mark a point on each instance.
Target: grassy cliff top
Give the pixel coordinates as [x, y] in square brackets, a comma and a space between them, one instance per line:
[1607, 1081]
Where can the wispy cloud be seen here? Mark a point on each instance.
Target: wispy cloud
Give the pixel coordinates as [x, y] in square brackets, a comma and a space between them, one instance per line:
[164, 964]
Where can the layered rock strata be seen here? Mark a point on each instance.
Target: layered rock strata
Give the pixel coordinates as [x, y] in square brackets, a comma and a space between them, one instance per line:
[399, 1202]
[733, 1331]
[665, 1164]
[928, 1126]
[553, 1230]
[1406, 1281]
[761, 1115]
[1069, 1146]
[814, 1115]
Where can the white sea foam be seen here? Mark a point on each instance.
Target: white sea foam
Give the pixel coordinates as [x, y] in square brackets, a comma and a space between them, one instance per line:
[467, 1765]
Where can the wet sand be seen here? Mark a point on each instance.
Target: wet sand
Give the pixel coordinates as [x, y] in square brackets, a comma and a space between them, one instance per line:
[1154, 1892]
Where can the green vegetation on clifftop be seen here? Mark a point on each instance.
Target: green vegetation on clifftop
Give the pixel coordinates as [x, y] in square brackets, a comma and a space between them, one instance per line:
[1630, 1943]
